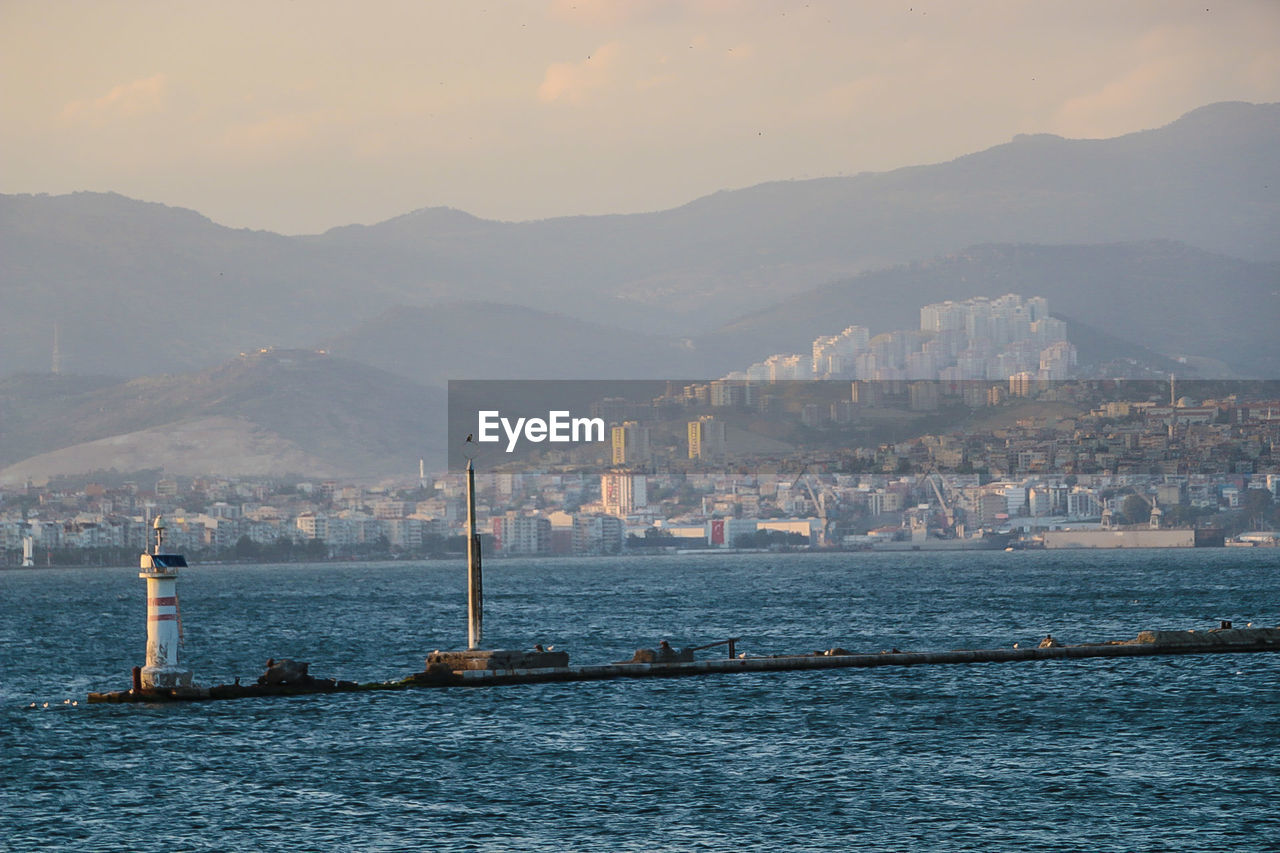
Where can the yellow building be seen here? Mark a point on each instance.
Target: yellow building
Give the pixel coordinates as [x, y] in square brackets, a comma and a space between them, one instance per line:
[630, 444]
[706, 438]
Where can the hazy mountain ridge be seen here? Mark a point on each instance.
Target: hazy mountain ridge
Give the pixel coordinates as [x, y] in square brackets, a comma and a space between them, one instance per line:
[338, 416]
[1158, 242]
[1159, 295]
[138, 288]
[485, 340]
[1201, 180]
[330, 416]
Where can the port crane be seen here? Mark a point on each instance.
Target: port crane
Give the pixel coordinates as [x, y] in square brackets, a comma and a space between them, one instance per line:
[819, 501]
[933, 478]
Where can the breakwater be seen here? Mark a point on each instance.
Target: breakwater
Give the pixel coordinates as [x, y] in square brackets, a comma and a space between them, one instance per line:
[1224, 640]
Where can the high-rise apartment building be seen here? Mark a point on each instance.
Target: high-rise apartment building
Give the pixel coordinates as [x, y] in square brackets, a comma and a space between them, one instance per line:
[706, 438]
[630, 444]
[623, 492]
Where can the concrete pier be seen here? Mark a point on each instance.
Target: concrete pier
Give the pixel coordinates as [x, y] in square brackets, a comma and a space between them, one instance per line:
[495, 659]
[1146, 644]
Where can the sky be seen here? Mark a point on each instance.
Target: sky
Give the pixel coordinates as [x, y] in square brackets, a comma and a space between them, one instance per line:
[296, 117]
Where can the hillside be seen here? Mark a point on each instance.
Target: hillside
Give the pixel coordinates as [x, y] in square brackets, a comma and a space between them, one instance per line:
[485, 340]
[265, 413]
[1160, 296]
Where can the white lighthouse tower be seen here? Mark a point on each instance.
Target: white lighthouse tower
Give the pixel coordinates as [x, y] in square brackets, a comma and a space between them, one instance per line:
[164, 631]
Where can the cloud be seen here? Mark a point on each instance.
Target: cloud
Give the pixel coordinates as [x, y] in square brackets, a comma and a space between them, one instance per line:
[574, 82]
[614, 14]
[1169, 70]
[272, 134]
[1111, 109]
[128, 100]
[843, 100]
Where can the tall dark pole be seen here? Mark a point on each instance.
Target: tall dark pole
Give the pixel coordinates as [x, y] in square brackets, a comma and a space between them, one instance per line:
[475, 585]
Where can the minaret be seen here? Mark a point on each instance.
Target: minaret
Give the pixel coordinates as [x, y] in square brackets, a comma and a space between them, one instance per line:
[164, 629]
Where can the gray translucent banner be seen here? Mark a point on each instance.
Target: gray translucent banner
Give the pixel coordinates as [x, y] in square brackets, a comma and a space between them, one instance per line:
[711, 426]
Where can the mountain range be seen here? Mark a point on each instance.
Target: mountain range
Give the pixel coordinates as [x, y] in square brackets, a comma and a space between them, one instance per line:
[1155, 245]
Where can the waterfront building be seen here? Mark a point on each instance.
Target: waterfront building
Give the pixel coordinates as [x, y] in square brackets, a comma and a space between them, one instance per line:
[622, 493]
[516, 534]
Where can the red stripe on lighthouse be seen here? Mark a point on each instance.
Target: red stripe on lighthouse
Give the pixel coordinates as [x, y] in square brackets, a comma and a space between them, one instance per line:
[163, 601]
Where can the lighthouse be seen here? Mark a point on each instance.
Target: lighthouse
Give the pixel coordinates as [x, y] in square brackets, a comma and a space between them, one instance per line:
[164, 628]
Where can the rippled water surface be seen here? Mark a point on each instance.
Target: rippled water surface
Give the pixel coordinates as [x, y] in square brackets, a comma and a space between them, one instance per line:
[1124, 754]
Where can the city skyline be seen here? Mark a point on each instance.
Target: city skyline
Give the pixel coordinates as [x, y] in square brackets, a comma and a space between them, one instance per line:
[1082, 456]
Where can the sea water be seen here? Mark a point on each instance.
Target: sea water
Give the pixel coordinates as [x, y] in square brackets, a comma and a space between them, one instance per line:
[1113, 754]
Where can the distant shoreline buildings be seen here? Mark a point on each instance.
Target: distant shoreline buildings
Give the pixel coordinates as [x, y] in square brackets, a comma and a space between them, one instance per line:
[1137, 461]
